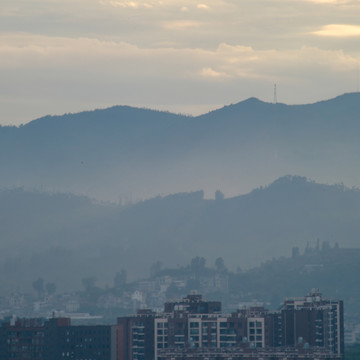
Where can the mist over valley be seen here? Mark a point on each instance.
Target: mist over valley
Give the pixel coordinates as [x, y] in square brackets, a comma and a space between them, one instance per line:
[91, 193]
[129, 154]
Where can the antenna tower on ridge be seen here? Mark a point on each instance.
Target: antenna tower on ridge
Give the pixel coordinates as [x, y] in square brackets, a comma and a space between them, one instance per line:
[275, 95]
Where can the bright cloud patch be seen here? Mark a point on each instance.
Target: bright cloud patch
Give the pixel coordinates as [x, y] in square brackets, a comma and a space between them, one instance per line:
[211, 73]
[203, 6]
[32, 51]
[335, 2]
[125, 4]
[180, 24]
[339, 30]
[327, 1]
[129, 4]
[158, 3]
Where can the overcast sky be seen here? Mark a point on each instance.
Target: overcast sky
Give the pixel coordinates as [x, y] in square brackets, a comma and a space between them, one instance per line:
[59, 56]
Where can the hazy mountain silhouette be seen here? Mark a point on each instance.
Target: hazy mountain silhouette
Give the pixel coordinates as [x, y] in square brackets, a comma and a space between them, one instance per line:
[331, 269]
[128, 153]
[65, 237]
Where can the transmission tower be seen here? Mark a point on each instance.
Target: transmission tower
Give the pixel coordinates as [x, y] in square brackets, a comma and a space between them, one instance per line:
[275, 96]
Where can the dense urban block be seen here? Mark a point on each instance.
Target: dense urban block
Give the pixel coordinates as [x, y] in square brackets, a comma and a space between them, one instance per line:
[310, 327]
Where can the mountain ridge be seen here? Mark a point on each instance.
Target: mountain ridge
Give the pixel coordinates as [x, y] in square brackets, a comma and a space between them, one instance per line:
[123, 152]
[342, 99]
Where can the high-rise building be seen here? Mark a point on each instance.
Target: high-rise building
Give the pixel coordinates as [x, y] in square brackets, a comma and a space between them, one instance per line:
[192, 328]
[315, 321]
[56, 339]
[64, 341]
[305, 328]
[22, 339]
[135, 336]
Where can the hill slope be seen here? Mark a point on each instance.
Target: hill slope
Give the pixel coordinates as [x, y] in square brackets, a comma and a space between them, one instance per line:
[66, 238]
[128, 153]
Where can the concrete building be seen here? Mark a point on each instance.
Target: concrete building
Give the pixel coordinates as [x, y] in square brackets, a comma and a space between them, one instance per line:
[313, 320]
[239, 353]
[135, 336]
[22, 339]
[309, 327]
[191, 328]
[56, 339]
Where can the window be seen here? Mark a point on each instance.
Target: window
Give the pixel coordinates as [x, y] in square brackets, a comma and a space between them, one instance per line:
[194, 324]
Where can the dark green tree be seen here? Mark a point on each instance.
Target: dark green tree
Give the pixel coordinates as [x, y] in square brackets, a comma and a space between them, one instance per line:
[38, 285]
[89, 282]
[155, 268]
[50, 288]
[120, 279]
[220, 265]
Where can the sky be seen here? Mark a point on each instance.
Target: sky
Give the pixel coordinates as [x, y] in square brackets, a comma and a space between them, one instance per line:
[61, 56]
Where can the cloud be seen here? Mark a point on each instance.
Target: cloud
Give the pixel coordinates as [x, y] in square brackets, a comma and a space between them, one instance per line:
[182, 4]
[129, 4]
[180, 24]
[338, 30]
[125, 4]
[25, 51]
[203, 6]
[64, 72]
[336, 2]
[208, 72]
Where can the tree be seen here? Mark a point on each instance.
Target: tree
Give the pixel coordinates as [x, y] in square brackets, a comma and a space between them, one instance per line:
[219, 195]
[220, 265]
[120, 279]
[88, 282]
[155, 268]
[50, 288]
[38, 285]
[197, 265]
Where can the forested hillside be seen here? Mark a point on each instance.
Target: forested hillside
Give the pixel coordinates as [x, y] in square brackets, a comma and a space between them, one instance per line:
[68, 237]
[129, 154]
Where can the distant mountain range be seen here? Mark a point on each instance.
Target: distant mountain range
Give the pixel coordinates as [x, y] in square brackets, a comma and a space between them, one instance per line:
[127, 154]
[64, 238]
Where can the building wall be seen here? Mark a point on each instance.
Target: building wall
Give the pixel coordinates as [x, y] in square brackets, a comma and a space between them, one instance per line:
[56, 339]
[314, 320]
[135, 336]
[23, 339]
[192, 323]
